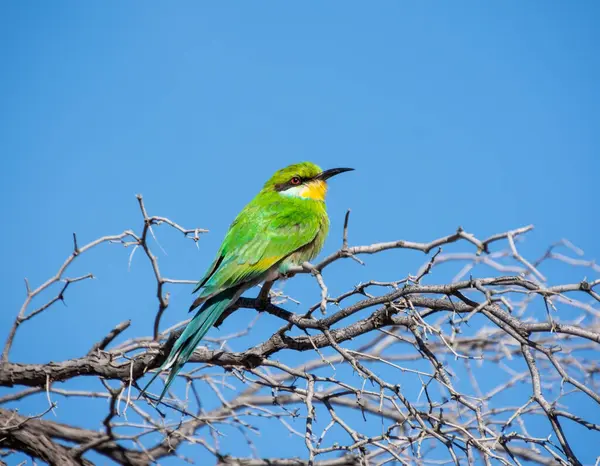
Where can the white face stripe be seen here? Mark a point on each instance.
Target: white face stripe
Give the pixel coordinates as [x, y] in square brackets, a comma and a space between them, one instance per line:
[314, 190]
[296, 191]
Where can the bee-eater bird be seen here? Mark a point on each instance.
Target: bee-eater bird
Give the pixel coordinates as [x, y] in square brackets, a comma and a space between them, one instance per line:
[284, 226]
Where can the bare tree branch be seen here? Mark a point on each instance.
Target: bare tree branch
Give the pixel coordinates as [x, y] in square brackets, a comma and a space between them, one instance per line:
[385, 373]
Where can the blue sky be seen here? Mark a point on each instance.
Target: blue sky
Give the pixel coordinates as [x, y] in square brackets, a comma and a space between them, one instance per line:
[480, 114]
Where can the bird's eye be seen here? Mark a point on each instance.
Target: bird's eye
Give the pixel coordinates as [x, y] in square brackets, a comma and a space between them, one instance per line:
[295, 180]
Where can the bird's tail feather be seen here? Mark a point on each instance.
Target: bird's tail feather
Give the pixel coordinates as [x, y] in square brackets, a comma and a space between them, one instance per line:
[185, 345]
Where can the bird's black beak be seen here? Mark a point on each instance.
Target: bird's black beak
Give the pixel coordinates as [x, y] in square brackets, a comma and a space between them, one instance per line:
[325, 175]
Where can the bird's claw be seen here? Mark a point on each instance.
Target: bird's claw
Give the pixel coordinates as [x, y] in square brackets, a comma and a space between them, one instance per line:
[264, 301]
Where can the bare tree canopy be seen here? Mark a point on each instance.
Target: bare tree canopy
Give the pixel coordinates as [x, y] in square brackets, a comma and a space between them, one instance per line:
[496, 365]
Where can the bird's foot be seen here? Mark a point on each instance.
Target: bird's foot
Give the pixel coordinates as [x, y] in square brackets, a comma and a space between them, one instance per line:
[286, 275]
[263, 303]
[264, 297]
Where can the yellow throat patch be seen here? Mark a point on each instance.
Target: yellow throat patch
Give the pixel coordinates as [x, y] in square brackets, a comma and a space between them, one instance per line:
[315, 190]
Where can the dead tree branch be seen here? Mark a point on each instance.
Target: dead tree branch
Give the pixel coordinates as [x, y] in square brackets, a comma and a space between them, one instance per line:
[412, 371]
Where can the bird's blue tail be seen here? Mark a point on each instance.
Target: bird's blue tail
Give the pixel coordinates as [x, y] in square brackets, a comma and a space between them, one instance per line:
[185, 345]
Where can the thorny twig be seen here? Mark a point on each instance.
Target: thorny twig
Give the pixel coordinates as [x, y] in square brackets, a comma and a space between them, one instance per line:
[390, 351]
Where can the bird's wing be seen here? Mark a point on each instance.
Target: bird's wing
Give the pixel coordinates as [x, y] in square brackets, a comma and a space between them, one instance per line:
[259, 237]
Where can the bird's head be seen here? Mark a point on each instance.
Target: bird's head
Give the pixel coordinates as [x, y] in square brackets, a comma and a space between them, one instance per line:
[303, 180]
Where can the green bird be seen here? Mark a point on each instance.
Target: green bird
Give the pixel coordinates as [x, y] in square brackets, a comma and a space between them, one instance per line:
[284, 226]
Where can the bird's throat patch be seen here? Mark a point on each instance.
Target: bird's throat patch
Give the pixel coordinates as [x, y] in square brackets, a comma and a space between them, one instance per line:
[315, 190]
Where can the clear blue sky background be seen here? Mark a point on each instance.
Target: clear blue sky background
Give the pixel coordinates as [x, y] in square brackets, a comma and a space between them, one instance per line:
[480, 114]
